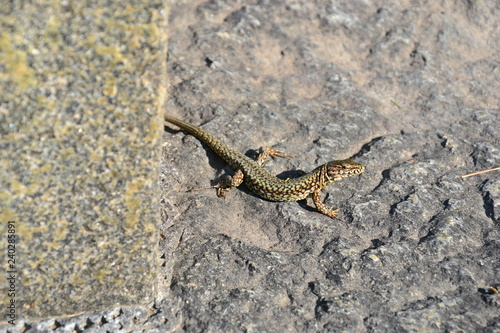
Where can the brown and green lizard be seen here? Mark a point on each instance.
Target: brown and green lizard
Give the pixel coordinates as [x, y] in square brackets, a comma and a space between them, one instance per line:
[262, 183]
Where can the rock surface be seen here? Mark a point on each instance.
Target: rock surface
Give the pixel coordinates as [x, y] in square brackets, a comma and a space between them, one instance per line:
[410, 90]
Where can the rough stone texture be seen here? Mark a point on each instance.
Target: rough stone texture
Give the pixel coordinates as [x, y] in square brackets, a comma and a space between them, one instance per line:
[411, 90]
[80, 120]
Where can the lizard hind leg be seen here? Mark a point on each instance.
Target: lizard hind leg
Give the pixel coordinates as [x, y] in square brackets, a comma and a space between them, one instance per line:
[266, 152]
[225, 184]
[229, 182]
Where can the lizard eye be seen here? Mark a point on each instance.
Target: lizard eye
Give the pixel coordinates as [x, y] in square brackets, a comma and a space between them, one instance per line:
[344, 168]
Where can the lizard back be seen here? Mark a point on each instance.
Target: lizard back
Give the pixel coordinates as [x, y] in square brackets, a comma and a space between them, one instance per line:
[261, 182]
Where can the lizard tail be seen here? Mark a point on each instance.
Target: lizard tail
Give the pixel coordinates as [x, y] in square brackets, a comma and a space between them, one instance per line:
[194, 130]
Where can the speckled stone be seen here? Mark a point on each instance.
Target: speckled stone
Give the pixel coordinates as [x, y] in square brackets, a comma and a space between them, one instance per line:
[82, 90]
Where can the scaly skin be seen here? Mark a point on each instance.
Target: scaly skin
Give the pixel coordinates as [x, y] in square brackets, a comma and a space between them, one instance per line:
[262, 183]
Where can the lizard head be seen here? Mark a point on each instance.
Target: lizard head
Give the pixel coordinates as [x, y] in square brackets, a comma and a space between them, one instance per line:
[336, 170]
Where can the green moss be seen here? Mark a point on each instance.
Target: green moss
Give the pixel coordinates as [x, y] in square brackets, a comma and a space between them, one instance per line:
[15, 61]
[52, 34]
[112, 52]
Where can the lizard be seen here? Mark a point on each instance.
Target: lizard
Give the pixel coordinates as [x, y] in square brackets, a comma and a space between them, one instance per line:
[262, 183]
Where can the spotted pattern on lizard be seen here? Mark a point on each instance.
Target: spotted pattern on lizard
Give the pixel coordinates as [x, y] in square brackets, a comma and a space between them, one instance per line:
[267, 186]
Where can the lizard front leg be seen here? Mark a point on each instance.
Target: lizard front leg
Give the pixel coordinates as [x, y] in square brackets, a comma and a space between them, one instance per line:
[328, 211]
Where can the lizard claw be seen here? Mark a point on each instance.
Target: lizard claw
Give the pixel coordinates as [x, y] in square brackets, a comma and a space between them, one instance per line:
[276, 153]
